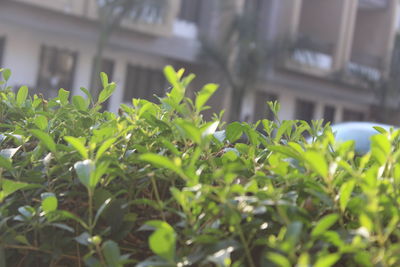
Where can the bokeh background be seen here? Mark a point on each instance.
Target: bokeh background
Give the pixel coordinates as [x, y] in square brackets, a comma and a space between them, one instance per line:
[336, 60]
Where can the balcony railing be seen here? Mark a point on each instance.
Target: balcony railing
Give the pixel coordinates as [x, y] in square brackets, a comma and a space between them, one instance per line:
[373, 4]
[312, 53]
[148, 17]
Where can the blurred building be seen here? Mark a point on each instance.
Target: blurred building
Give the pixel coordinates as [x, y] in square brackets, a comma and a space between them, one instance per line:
[333, 43]
[50, 44]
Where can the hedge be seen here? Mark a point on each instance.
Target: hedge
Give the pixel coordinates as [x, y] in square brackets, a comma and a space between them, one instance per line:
[158, 185]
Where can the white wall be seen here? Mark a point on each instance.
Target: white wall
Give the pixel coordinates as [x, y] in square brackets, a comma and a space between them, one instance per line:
[22, 56]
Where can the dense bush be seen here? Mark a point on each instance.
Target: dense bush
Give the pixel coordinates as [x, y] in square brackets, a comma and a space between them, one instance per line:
[159, 186]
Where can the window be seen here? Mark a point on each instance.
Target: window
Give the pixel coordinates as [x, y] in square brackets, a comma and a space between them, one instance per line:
[143, 83]
[56, 70]
[2, 45]
[329, 114]
[304, 110]
[261, 108]
[352, 115]
[107, 66]
[190, 10]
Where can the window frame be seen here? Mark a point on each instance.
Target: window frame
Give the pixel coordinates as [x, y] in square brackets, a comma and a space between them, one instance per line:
[55, 53]
[142, 87]
[304, 102]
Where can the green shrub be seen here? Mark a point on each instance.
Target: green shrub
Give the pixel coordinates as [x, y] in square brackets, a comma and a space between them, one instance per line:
[157, 185]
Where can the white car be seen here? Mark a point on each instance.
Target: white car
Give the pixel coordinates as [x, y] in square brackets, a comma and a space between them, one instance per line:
[360, 132]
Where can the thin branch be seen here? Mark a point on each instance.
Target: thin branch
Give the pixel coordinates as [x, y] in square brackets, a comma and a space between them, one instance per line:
[71, 257]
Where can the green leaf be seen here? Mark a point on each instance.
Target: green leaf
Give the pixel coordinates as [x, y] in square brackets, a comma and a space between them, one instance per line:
[63, 214]
[22, 239]
[171, 75]
[380, 148]
[234, 131]
[6, 74]
[103, 148]
[382, 142]
[10, 186]
[41, 122]
[316, 162]
[111, 253]
[285, 150]
[101, 210]
[63, 96]
[5, 163]
[205, 93]
[380, 129]
[22, 95]
[324, 224]
[178, 91]
[345, 192]
[293, 233]
[80, 103]
[189, 130]
[45, 139]
[278, 259]
[209, 129]
[285, 128]
[49, 202]
[78, 144]
[161, 161]
[163, 240]
[106, 92]
[327, 260]
[104, 79]
[85, 170]
[88, 95]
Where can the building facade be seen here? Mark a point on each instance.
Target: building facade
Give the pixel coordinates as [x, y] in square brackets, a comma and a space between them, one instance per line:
[50, 44]
[332, 43]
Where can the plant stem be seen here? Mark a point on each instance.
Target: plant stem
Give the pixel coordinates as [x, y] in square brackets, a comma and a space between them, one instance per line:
[160, 203]
[98, 250]
[246, 246]
[91, 226]
[39, 250]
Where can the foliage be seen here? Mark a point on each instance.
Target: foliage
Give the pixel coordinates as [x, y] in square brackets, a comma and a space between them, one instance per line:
[159, 186]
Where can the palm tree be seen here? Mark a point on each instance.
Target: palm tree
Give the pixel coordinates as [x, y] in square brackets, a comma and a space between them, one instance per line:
[241, 53]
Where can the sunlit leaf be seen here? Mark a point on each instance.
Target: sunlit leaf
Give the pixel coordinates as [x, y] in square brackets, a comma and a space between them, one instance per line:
[103, 148]
[41, 122]
[85, 170]
[49, 202]
[161, 161]
[234, 131]
[106, 92]
[163, 240]
[316, 162]
[45, 139]
[22, 95]
[327, 260]
[78, 144]
[80, 103]
[205, 93]
[345, 193]
[324, 224]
